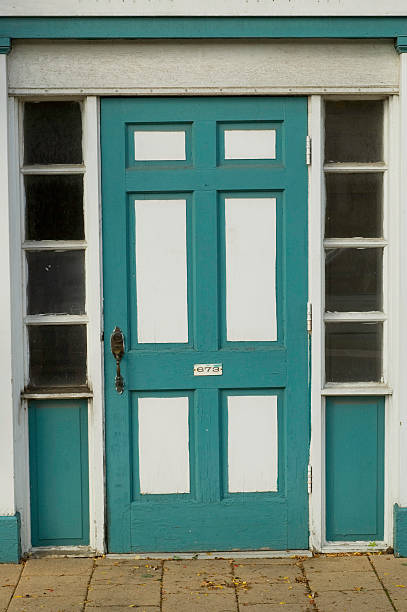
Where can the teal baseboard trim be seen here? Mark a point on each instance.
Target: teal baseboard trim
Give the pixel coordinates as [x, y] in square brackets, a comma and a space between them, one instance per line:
[10, 550]
[5, 45]
[202, 27]
[401, 44]
[400, 531]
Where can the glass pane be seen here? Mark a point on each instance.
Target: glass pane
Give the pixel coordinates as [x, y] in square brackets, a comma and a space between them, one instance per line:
[52, 133]
[354, 131]
[57, 355]
[353, 279]
[354, 205]
[353, 352]
[56, 282]
[54, 207]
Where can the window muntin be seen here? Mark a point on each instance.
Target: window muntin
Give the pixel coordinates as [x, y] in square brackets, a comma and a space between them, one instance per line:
[355, 244]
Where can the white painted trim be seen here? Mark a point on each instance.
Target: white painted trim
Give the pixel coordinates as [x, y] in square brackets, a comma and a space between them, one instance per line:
[55, 319]
[364, 547]
[93, 233]
[355, 167]
[392, 306]
[7, 475]
[402, 330]
[173, 8]
[354, 317]
[54, 169]
[358, 389]
[54, 245]
[316, 293]
[334, 243]
[44, 396]
[200, 91]
[21, 449]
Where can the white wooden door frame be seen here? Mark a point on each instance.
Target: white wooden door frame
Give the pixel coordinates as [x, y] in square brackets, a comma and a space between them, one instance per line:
[395, 489]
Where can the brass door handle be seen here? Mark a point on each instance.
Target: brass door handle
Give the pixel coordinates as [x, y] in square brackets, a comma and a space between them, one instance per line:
[117, 347]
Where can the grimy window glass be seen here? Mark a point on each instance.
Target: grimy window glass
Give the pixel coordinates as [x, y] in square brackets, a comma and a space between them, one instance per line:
[353, 279]
[354, 240]
[54, 207]
[353, 131]
[354, 205]
[353, 352]
[52, 133]
[56, 282]
[57, 355]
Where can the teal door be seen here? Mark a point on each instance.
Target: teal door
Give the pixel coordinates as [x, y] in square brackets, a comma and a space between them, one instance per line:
[205, 273]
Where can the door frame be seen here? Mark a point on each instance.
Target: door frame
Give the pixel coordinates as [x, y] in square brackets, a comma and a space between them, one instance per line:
[92, 203]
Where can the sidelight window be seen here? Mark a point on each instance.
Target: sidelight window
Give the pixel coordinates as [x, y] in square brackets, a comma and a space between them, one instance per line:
[54, 245]
[355, 242]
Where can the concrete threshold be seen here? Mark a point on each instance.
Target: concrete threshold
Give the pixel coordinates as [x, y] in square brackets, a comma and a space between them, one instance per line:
[230, 554]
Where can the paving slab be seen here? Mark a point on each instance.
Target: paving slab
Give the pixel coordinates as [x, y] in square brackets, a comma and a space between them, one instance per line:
[147, 594]
[281, 594]
[46, 604]
[9, 577]
[393, 574]
[298, 607]
[122, 608]
[338, 564]
[342, 581]
[353, 601]
[199, 602]
[58, 567]
[199, 576]
[126, 574]
[271, 573]
[52, 586]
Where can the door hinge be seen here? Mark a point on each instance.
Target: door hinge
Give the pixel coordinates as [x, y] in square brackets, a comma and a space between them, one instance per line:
[309, 480]
[308, 149]
[309, 318]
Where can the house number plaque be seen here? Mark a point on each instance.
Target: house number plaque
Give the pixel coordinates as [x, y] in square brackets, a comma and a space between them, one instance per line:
[208, 369]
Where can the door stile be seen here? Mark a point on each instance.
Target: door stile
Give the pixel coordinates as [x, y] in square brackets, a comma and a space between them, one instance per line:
[205, 233]
[207, 406]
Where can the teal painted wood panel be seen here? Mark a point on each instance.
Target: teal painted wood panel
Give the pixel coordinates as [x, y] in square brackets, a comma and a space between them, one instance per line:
[207, 517]
[400, 530]
[354, 468]
[10, 546]
[59, 482]
[202, 27]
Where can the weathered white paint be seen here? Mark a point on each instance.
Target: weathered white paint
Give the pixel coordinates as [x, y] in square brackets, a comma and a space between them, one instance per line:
[392, 306]
[208, 67]
[161, 271]
[163, 445]
[21, 462]
[252, 443]
[155, 145]
[172, 8]
[250, 144]
[402, 286]
[93, 308]
[7, 493]
[250, 227]
[316, 293]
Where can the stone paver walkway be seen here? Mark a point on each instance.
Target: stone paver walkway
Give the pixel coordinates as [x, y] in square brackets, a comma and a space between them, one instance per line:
[349, 583]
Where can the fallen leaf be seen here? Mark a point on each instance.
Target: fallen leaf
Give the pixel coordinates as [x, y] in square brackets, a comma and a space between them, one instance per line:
[402, 586]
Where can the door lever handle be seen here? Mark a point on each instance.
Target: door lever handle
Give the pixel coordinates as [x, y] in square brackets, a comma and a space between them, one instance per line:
[117, 347]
